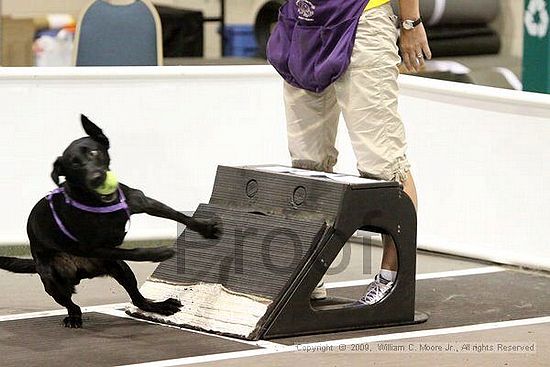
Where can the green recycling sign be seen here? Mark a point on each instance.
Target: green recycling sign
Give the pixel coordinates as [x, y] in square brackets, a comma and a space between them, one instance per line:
[536, 46]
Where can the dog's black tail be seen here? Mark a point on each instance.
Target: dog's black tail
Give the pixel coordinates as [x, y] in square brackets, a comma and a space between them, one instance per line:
[16, 265]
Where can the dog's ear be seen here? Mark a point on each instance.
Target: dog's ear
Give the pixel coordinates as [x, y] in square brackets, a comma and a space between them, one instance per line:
[57, 170]
[94, 131]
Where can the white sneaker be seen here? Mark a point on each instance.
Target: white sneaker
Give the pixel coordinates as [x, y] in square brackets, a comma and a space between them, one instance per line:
[376, 291]
[320, 292]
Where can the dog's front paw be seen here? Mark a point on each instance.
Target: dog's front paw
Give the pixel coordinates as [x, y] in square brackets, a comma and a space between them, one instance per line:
[208, 229]
[167, 307]
[73, 321]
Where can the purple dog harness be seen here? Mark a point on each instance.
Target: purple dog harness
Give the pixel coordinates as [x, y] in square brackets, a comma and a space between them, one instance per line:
[122, 205]
[312, 43]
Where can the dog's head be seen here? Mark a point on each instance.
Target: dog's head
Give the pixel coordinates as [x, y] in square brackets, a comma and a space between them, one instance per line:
[86, 161]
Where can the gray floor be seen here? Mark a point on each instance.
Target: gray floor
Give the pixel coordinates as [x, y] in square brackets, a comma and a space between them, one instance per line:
[31, 296]
[452, 302]
[105, 341]
[532, 334]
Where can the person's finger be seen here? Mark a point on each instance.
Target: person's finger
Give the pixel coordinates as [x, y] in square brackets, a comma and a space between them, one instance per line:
[420, 58]
[407, 60]
[415, 62]
[427, 51]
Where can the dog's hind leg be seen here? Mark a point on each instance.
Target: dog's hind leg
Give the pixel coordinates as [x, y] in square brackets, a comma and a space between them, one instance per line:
[62, 292]
[122, 273]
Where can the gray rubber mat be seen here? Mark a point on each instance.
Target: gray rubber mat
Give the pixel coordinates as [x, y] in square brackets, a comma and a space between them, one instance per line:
[254, 255]
[460, 301]
[104, 341]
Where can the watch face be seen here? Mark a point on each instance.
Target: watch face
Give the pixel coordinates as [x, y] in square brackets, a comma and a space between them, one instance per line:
[408, 24]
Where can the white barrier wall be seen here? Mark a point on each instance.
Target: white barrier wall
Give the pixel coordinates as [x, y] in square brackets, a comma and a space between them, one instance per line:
[169, 129]
[479, 154]
[481, 158]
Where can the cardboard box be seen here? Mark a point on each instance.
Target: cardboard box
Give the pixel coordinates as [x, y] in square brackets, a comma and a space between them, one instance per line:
[17, 39]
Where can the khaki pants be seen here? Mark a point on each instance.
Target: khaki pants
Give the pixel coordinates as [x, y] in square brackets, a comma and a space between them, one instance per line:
[366, 94]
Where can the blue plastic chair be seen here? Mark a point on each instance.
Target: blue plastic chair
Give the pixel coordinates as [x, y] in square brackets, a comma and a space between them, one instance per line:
[118, 33]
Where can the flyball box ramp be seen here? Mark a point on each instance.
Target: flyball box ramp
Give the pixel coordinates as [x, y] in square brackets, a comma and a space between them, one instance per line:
[282, 228]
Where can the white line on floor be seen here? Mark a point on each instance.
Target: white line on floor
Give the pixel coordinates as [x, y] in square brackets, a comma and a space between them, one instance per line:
[361, 282]
[272, 348]
[210, 358]
[436, 332]
[443, 274]
[63, 311]
[367, 339]
[352, 283]
[259, 343]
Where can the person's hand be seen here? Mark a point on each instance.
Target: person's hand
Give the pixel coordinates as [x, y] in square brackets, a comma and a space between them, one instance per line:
[414, 47]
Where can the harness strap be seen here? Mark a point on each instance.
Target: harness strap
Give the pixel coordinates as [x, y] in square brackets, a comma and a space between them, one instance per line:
[58, 220]
[122, 205]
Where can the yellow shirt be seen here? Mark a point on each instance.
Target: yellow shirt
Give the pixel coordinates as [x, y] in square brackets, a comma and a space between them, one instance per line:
[375, 3]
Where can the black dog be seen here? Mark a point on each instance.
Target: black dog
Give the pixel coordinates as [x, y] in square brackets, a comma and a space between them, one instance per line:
[75, 231]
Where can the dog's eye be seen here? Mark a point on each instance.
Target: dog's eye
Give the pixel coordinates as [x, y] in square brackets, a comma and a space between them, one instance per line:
[93, 153]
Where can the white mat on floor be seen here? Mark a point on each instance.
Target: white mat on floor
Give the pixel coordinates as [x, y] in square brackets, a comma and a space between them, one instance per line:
[209, 307]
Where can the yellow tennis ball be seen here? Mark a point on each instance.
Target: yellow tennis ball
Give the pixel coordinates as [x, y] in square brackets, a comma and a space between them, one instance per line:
[109, 185]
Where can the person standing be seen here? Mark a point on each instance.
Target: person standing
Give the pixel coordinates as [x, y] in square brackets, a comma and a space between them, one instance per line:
[342, 56]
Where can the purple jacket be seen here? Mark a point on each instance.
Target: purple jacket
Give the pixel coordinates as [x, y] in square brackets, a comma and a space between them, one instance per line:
[312, 42]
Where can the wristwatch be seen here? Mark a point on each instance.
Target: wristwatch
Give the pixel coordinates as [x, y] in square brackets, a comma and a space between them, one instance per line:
[409, 24]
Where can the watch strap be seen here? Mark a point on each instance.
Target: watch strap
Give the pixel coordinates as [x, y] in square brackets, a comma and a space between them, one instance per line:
[414, 22]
